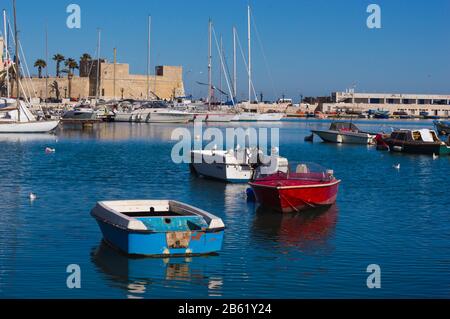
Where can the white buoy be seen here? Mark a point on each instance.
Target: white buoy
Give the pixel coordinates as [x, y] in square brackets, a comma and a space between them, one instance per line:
[32, 197]
[397, 166]
[435, 156]
[49, 150]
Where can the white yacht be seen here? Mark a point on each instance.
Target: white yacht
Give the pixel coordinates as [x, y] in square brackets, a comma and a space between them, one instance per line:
[80, 113]
[258, 117]
[234, 166]
[153, 112]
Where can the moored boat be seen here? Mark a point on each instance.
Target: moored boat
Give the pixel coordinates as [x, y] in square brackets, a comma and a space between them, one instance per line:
[442, 127]
[152, 112]
[19, 119]
[422, 141]
[158, 228]
[307, 187]
[258, 117]
[345, 132]
[234, 166]
[81, 113]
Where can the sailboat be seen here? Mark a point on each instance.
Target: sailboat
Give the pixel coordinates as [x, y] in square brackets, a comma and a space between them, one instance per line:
[254, 116]
[19, 119]
[16, 117]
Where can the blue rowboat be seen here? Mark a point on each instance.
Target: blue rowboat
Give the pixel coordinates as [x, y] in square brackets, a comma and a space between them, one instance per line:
[158, 228]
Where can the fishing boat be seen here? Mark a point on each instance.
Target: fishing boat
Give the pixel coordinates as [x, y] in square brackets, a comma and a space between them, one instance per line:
[308, 187]
[345, 132]
[234, 166]
[158, 228]
[442, 127]
[422, 141]
[19, 119]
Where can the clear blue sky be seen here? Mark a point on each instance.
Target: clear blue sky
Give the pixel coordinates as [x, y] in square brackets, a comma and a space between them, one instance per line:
[312, 47]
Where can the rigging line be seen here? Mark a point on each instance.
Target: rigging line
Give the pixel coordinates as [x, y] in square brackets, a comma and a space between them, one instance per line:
[274, 89]
[245, 63]
[221, 60]
[20, 66]
[28, 71]
[227, 69]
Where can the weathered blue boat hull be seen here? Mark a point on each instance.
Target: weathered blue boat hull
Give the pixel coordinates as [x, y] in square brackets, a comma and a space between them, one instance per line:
[155, 243]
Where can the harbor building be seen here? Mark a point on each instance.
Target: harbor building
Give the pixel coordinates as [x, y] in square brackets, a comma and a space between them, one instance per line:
[412, 104]
[114, 82]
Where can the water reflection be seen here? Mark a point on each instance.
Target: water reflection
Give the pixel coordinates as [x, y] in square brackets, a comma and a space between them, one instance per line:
[309, 230]
[119, 131]
[22, 138]
[137, 276]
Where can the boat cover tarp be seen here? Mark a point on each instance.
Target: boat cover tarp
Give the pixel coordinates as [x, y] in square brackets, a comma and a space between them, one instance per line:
[426, 135]
[337, 126]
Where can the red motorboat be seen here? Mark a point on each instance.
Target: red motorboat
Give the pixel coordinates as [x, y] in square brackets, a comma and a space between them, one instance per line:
[309, 187]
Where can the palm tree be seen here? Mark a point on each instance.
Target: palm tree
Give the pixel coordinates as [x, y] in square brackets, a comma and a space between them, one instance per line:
[84, 64]
[58, 58]
[71, 65]
[40, 64]
[86, 57]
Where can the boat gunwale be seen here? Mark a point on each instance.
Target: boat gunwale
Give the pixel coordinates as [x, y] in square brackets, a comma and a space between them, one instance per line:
[148, 231]
[358, 134]
[336, 182]
[182, 207]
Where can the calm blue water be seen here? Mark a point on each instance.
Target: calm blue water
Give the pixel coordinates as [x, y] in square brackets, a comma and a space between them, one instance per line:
[397, 219]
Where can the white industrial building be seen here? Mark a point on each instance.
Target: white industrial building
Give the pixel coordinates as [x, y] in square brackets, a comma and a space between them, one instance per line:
[352, 102]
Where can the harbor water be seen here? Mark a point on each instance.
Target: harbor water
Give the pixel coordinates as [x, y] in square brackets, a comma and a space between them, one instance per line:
[397, 219]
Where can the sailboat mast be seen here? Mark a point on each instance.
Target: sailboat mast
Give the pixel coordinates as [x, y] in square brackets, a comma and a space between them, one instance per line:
[249, 58]
[5, 43]
[148, 55]
[46, 63]
[220, 78]
[234, 64]
[17, 68]
[114, 72]
[98, 67]
[210, 65]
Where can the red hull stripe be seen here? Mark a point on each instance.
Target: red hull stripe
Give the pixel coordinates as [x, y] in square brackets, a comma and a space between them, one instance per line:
[295, 187]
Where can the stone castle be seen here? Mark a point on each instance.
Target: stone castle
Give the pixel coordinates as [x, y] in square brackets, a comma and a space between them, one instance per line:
[114, 82]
